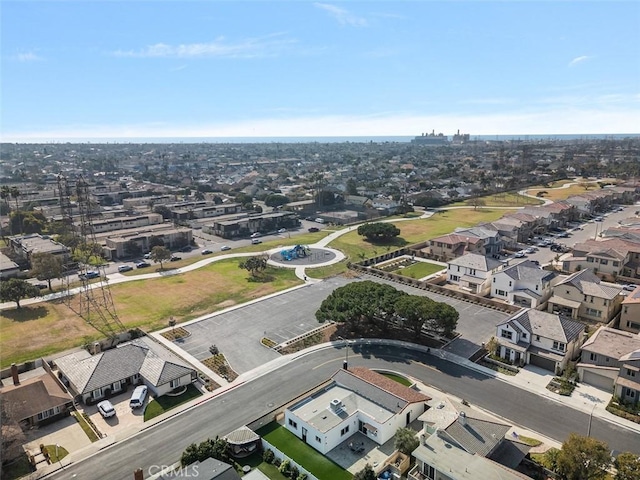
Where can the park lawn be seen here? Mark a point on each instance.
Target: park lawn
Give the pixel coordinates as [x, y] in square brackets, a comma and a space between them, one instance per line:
[564, 193]
[420, 270]
[507, 199]
[304, 455]
[328, 271]
[443, 222]
[165, 403]
[47, 328]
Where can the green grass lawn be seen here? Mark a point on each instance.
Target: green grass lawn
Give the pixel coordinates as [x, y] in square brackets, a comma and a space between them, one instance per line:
[61, 453]
[303, 454]
[165, 402]
[17, 469]
[420, 269]
[398, 378]
[507, 199]
[86, 428]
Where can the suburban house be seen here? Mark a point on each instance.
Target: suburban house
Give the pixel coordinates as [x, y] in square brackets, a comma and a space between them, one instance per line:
[140, 361]
[473, 272]
[611, 359]
[583, 295]
[454, 445]
[524, 284]
[209, 469]
[36, 400]
[356, 400]
[454, 245]
[613, 258]
[630, 315]
[491, 241]
[538, 338]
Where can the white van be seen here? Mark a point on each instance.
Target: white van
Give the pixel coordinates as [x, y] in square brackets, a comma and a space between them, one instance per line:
[319, 220]
[138, 396]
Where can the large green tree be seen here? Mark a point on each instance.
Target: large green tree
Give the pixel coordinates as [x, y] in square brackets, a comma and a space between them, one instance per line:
[379, 231]
[583, 458]
[276, 200]
[15, 289]
[46, 266]
[367, 473]
[627, 466]
[254, 265]
[160, 254]
[414, 311]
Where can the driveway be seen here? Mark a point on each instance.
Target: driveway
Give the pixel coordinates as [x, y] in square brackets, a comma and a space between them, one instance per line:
[124, 418]
[65, 432]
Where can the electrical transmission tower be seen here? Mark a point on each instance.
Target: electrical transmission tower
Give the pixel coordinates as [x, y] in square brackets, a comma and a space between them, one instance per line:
[92, 300]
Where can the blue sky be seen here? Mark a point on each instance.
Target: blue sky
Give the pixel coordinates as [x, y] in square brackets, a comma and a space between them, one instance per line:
[299, 68]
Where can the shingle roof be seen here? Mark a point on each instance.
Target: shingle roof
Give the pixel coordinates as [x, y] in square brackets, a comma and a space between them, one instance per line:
[612, 343]
[477, 261]
[588, 283]
[477, 436]
[34, 396]
[528, 271]
[547, 325]
[141, 356]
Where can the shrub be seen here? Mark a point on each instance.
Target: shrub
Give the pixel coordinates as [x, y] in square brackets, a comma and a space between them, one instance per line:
[277, 462]
[268, 456]
[285, 468]
[302, 476]
[294, 473]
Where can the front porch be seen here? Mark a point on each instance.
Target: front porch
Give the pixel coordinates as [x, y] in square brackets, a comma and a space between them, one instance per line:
[564, 307]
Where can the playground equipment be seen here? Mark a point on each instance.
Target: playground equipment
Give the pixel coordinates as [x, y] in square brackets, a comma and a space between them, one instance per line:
[299, 251]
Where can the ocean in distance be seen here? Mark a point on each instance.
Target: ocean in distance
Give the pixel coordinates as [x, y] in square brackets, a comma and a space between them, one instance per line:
[357, 139]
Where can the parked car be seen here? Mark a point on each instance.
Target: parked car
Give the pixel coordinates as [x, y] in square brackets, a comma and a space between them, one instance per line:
[89, 275]
[282, 230]
[314, 229]
[147, 256]
[41, 286]
[125, 268]
[206, 251]
[256, 241]
[529, 250]
[175, 258]
[106, 409]
[256, 235]
[630, 287]
[520, 254]
[143, 264]
[138, 396]
[224, 248]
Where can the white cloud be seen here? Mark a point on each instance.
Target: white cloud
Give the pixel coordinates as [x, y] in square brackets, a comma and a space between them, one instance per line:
[27, 57]
[578, 60]
[344, 17]
[248, 48]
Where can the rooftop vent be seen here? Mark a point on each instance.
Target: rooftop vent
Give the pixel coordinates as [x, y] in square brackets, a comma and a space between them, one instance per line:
[336, 405]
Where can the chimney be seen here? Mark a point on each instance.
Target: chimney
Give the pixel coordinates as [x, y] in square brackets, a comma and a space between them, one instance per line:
[462, 418]
[96, 348]
[138, 474]
[14, 374]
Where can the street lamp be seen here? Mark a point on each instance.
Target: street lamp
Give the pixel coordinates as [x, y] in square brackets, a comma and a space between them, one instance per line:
[590, 418]
[346, 353]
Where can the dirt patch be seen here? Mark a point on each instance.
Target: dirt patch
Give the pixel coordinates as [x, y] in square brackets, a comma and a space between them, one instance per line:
[226, 304]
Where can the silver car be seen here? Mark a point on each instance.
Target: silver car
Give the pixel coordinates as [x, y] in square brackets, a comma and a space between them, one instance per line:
[106, 409]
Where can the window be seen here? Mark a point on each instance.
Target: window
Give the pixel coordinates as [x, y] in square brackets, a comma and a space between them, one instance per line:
[633, 325]
[604, 262]
[506, 334]
[537, 338]
[593, 312]
[494, 279]
[593, 357]
[344, 431]
[589, 259]
[293, 424]
[559, 346]
[510, 283]
[458, 267]
[429, 471]
[502, 293]
[615, 264]
[175, 383]
[455, 278]
[537, 287]
[524, 335]
[631, 373]
[318, 439]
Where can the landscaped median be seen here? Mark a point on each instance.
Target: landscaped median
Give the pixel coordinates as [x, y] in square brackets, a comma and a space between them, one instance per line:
[301, 453]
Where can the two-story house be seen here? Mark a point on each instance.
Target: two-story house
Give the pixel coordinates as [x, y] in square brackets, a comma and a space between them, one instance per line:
[463, 445]
[524, 284]
[583, 295]
[630, 314]
[473, 272]
[454, 245]
[491, 241]
[539, 338]
[611, 360]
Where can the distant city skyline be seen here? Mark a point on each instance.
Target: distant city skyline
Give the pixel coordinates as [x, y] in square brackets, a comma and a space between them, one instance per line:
[151, 69]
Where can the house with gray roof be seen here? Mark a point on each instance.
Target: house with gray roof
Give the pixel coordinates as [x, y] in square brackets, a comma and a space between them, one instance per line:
[524, 284]
[140, 361]
[457, 445]
[546, 340]
[473, 272]
[610, 360]
[355, 400]
[491, 241]
[583, 295]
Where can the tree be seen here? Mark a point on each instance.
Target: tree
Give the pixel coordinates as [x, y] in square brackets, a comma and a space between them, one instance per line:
[628, 466]
[583, 458]
[378, 231]
[163, 210]
[414, 310]
[156, 241]
[131, 248]
[275, 200]
[46, 266]
[444, 318]
[160, 254]
[366, 473]
[352, 187]
[477, 202]
[15, 289]
[254, 265]
[244, 199]
[406, 440]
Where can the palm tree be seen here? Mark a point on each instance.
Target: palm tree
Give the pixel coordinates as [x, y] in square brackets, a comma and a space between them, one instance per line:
[5, 193]
[15, 193]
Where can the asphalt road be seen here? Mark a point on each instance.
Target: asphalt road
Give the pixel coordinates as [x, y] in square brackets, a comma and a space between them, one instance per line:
[164, 443]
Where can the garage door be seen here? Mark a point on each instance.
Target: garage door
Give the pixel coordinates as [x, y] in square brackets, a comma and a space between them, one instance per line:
[542, 362]
[598, 381]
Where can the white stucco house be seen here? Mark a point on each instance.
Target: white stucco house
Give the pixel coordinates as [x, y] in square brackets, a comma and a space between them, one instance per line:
[538, 338]
[356, 400]
[140, 361]
[524, 284]
[473, 272]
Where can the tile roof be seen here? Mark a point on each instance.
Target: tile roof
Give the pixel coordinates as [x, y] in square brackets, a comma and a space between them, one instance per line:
[141, 356]
[381, 382]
